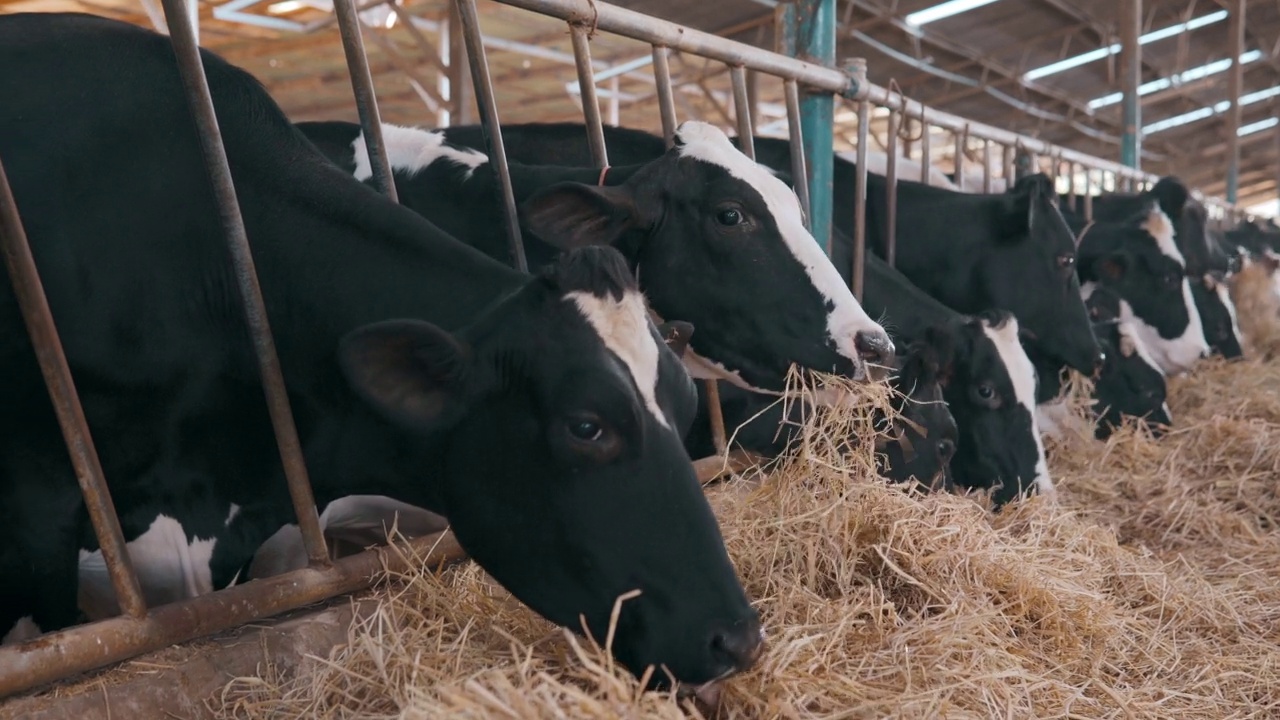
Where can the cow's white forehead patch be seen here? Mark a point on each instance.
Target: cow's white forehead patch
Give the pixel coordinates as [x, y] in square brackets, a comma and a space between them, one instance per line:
[709, 144]
[1023, 375]
[623, 327]
[1159, 226]
[411, 150]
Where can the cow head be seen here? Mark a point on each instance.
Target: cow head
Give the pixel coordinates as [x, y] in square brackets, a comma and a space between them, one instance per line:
[719, 241]
[1217, 314]
[549, 433]
[990, 388]
[1030, 269]
[1130, 384]
[925, 436]
[1141, 263]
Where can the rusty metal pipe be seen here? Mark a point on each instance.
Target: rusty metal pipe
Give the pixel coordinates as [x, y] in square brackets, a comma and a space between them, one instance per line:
[666, 99]
[29, 291]
[196, 84]
[366, 101]
[491, 128]
[87, 647]
[742, 111]
[891, 193]
[860, 202]
[587, 87]
[799, 172]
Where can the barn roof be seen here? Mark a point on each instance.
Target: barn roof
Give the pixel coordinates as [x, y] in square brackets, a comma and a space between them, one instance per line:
[973, 64]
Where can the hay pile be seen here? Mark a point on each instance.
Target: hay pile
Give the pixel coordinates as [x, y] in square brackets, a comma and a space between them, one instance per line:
[1150, 588]
[1257, 307]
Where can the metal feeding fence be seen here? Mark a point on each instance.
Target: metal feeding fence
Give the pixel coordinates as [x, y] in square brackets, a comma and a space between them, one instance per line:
[807, 32]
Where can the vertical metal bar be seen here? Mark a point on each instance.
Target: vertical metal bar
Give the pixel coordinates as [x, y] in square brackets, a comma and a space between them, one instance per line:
[587, 89]
[366, 102]
[926, 153]
[666, 100]
[860, 201]
[986, 165]
[799, 171]
[753, 97]
[958, 163]
[1023, 164]
[191, 69]
[1275, 160]
[1130, 80]
[29, 291]
[815, 41]
[742, 111]
[1234, 83]
[461, 84]
[891, 192]
[1088, 195]
[613, 101]
[1006, 165]
[490, 127]
[444, 116]
[1054, 163]
[1071, 185]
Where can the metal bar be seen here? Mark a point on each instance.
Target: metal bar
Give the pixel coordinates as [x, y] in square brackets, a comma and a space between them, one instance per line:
[958, 162]
[1071, 184]
[666, 100]
[490, 126]
[860, 202]
[799, 169]
[816, 41]
[366, 102]
[191, 69]
[461, 84]
[986, 165]
[94, 645]
[1130, 80]
[742, 112]
[29, 291]
[428, 49]
[613, 19]
[753, 97]
[1088, 195]
[1235, 80]
[587, 86]
[1006, 165]
[1276, 152]
[926, 153]
[891, 192]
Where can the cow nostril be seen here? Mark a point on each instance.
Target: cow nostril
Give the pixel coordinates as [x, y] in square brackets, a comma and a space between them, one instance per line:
[874, 348]
[737, 648]
[946, 450]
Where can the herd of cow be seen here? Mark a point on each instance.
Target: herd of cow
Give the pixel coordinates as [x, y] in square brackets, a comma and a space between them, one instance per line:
[549, 416]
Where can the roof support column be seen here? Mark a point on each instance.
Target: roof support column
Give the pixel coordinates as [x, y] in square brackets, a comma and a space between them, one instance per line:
[1130, 79]
[1234, 82]
[806, 29]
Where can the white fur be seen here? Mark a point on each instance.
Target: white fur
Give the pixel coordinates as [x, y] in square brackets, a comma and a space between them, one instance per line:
[1224, 295]
[412, 149]
[709, 144]
[23, 630]
[284, 551]
[1055, 420]
[1023, 375]
[1167, 412]
[169, 568]
[623, 327]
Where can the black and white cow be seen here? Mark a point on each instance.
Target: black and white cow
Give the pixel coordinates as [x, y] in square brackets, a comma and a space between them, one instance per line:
[714, 239]
[1204, 268]
[409, 357]
[1011, 250]
[988, 381]
[1129, 385]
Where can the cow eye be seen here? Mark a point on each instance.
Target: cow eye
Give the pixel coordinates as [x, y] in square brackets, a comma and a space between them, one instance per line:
[986, 392]
[586, 430]
[1066, 262]
[729, 217]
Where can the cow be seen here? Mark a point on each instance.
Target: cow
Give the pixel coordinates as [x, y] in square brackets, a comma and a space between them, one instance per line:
[1137, 258]
[972, 252]
[408, 357]
[1191, 247]
[715, 240]
[1129, 385]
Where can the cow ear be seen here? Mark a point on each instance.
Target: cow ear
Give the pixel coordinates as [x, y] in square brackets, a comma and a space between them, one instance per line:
[1172, 196]
[676, 334]
[571, 215]
[410, 371]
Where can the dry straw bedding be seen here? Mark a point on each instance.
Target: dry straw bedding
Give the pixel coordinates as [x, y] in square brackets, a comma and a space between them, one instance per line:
[1148, 588]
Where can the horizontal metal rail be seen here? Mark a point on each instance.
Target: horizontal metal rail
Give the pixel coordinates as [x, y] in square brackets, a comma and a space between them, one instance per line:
[88, 647]
[639, 26]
